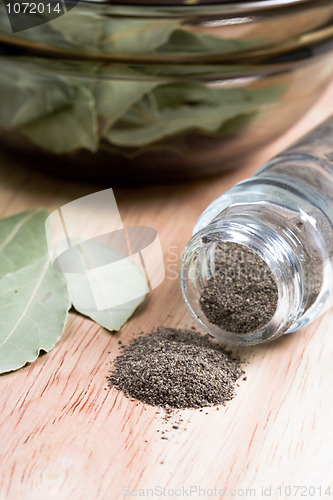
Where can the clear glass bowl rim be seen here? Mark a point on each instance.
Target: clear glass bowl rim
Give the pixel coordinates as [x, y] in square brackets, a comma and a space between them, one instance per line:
[226, 4]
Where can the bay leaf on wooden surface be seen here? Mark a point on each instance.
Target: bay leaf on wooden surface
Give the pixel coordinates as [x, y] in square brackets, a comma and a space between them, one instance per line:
[34, 300]
[129, 280]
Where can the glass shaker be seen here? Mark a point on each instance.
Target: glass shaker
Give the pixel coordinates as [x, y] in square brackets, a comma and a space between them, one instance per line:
[281, 218]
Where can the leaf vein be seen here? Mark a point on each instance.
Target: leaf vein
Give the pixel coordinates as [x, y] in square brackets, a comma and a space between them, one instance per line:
[16, 229]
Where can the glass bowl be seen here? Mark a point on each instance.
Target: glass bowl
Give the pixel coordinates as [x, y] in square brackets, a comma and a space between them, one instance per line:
[155, 92]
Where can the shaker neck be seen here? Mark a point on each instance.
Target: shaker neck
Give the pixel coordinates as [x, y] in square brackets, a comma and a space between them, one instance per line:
[257, 236]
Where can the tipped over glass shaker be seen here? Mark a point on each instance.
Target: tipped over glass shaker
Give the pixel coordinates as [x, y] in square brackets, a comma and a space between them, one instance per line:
[282, 217]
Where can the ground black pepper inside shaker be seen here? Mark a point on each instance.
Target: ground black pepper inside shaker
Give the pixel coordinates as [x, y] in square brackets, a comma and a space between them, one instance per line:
[242, 295]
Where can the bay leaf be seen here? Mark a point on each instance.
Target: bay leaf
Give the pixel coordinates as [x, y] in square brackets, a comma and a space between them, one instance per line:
[80, 290]
[87, 29]
[181, 147]
[22, 240]
[80, 28]
[136, 35]
[34, 301]
[140, 114]
[183, 108]
[90, 31]
[187, 41]
[26, 97]
[69, 128]
[115, 94]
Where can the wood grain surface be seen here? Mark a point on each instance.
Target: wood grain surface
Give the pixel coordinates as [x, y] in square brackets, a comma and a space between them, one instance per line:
[64, 435]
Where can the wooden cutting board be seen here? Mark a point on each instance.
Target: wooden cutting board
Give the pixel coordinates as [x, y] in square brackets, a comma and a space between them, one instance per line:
[63, 435]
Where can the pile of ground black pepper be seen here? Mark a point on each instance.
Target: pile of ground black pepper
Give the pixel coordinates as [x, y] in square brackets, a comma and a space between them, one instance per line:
[242, 294]
[176, 368]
